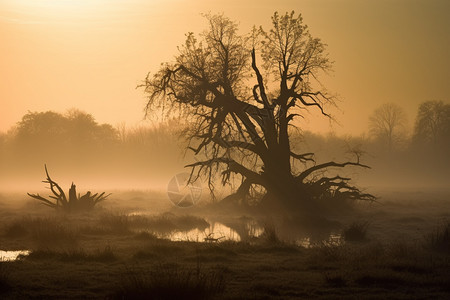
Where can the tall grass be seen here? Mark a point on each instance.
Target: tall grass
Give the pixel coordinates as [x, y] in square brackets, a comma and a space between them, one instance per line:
[47, 232]
[74, 255]
[439, 239]
[171, 282]
[43, 231]
[5, 284]
[270, 235]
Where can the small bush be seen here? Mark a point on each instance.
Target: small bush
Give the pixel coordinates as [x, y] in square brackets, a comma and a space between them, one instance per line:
[355, 232]
[171, 282]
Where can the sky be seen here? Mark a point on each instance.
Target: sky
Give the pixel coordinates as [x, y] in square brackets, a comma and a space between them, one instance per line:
[91, 54]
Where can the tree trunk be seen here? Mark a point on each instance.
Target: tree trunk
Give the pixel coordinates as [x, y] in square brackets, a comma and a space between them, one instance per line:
[282, 187]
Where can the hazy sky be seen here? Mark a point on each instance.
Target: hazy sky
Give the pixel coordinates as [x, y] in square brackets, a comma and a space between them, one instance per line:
[91, 54]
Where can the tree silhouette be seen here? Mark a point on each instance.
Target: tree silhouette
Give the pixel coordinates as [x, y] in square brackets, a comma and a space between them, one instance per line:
[241, 113]
[76, 128]
[433, 124]
[387, 123]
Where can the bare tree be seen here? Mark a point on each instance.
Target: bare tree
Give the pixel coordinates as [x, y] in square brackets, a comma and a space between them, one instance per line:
[241, 112]
[387, 123]
[433, 123]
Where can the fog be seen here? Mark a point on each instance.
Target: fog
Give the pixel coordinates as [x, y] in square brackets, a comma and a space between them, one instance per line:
[76, 148]
[243, 178]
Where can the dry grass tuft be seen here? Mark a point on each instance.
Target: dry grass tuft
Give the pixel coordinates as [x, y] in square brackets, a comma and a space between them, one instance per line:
[171, 282]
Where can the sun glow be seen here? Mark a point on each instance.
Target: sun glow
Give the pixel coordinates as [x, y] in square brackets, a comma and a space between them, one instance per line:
[58, 4]
[32, 10]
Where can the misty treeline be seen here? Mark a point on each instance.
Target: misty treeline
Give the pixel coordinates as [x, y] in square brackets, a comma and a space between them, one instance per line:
[399, 154]
[77, 147]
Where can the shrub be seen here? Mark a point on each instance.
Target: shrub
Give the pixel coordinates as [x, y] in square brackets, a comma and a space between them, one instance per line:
[355, 232]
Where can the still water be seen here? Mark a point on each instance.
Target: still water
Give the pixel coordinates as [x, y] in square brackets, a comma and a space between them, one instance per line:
[219, 232]
[244, 229]
[12, 255]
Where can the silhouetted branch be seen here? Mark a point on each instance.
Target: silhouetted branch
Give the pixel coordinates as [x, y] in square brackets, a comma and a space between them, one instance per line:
[74, 203]
[315, 168]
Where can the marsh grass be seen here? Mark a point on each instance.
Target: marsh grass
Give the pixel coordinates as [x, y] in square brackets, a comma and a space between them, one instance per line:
[146, 235]
[5, 281]
[171, 282]
[106, 255]
[15, 230]
[270, 235]
[336, 279]
[47, 232]
[115, 223]
[384, 266]
[165, 223]
[43, 231]
[439, 239]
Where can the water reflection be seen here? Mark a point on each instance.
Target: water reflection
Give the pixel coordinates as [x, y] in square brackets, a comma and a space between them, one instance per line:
[333, 239]
[216, 232]
[250, 230]
[12, 255]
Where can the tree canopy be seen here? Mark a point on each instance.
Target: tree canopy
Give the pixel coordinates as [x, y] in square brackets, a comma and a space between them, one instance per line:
[387, 123]
[241, 95]
[433, 124]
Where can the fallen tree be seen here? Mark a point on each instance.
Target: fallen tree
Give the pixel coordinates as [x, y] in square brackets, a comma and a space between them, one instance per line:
[74, 203]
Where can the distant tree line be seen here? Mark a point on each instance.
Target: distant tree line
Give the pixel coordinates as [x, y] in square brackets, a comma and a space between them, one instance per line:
[431, 131]
[76, 142]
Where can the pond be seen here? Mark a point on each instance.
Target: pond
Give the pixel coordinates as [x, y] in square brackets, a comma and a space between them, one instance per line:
[248, 230]
[216, 232]
[12, 255]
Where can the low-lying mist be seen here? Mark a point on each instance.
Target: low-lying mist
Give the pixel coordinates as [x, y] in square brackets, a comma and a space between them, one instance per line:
[77, 149]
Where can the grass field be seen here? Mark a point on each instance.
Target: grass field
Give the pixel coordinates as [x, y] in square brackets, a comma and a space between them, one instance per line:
[398, 248]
